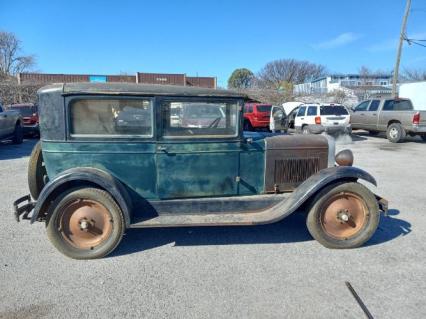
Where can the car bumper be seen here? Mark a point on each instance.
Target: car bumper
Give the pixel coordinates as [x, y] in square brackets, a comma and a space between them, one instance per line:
[31, 129]
[421, 129]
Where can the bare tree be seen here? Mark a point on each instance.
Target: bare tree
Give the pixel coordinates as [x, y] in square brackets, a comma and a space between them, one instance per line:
[364, 74]
[11, 60]
[414, 75]
[281, 73]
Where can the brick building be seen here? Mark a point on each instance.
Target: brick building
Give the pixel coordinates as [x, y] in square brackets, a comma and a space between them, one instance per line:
[147, 78]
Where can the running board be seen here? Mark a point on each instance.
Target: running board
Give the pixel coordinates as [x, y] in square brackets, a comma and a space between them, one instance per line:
[207, 217]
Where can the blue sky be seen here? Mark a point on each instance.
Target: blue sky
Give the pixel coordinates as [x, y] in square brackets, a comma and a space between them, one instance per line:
[212, 38]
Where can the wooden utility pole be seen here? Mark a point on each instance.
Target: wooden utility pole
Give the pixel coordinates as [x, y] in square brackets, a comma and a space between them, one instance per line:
[398, 54]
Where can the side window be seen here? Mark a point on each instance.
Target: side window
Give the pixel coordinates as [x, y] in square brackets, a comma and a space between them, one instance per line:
[110, 118]
[199, 119]
[363, 106]
[248, 109]
[1, 109]
[397, 105]
[374, 105]
[312, 111]
[389, 105]
[301, 111]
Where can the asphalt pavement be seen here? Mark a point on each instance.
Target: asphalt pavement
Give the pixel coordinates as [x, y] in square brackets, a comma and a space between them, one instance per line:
[271, 271]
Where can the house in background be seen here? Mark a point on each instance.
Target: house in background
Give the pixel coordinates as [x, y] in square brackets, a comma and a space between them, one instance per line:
[363, 86]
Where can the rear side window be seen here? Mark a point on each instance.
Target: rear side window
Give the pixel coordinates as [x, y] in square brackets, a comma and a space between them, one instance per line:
[199, 119]
[312, 111]
[333, 110]
[264, 108]
[397, 105]
[374, 105]
[111, 118]
[248, 109]
[301, 111]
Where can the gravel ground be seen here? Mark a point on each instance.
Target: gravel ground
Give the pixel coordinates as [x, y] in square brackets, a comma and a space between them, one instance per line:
[271, 271]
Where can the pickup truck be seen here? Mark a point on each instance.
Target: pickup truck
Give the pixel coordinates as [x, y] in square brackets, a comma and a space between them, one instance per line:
[10, 125]
[396, 117]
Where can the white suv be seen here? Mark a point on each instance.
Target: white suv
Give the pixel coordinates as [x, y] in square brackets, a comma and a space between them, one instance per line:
[318, 118]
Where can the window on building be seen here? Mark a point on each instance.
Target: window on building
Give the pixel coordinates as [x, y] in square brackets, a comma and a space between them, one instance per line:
[200, 119]
[111, 118]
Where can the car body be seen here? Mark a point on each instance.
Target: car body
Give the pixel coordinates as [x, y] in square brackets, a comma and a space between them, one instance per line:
[317, 118]
[256, 116]
[90, 180]
[10, 125]
[396, 117]
[30, 120]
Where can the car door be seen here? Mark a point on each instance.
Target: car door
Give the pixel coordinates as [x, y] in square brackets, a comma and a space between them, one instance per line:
[372, 115]
[358, 115]
[299, 120]
[198, 156]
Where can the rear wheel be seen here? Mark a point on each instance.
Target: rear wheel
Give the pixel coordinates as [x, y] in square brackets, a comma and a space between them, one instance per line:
[395, 133]
[85, 223]
[343, 216]
[18, 134]
[37, 174]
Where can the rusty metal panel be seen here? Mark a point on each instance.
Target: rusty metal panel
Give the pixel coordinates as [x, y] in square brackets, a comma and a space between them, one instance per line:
[290, 160]
[206, 82]
[121, 78]
[158, 78]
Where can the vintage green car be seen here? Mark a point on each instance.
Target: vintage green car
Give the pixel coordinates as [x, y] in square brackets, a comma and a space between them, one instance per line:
[118, 156]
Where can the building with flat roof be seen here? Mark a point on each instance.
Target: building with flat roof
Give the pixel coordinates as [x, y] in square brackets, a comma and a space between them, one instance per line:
[139, 77]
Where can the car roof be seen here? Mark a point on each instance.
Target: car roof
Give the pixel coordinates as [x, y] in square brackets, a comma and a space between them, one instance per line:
[137, 89]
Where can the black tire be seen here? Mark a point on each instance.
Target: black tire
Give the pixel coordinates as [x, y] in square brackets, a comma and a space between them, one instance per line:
[316, 221]
[18, 134]
[36, 171]
[395, 133]
[423, 137]
[73, 249]
[248, 126]
[373, 133]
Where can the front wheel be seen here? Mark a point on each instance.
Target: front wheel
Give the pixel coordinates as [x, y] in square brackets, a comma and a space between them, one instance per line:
[343, 216]
[85, 223]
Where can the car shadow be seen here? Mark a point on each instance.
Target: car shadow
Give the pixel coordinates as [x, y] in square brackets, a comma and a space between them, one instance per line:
[290, 230]
[390, 228]
[382, 136]
[8, 150]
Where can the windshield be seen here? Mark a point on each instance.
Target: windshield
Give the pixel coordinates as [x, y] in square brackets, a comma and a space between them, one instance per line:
[24, 110]
[264, 108]
[333, 110]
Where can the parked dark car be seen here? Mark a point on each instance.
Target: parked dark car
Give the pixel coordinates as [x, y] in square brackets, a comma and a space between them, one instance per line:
[89, 181]
[30, 120]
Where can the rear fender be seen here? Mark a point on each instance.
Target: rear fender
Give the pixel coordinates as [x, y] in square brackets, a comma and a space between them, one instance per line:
[83, 176]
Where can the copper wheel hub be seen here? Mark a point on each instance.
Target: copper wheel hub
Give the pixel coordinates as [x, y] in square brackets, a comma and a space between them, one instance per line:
[343, 215]
[85, 223]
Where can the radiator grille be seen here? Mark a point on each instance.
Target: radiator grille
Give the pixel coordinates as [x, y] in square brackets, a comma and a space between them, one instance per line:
[295, 170]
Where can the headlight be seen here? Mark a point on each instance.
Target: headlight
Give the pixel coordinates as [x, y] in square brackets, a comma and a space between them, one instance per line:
[345, 158]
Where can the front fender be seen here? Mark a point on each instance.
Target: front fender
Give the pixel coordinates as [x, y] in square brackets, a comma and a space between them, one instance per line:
[309, 188]
[91, 176]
